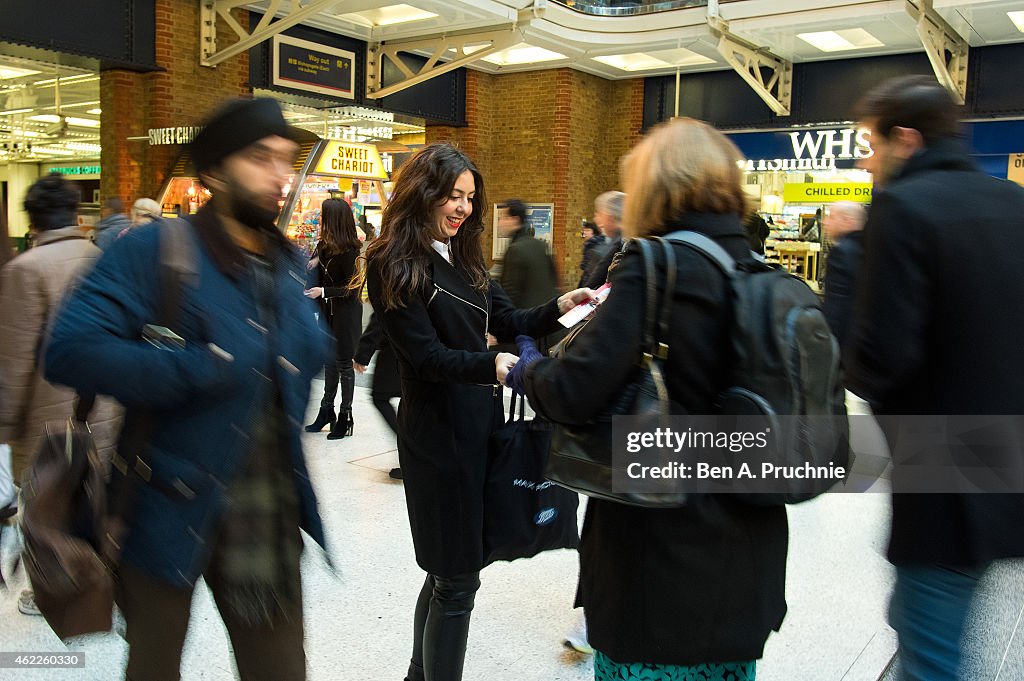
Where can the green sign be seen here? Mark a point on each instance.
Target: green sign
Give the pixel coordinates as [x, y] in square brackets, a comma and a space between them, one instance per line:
[75, 170]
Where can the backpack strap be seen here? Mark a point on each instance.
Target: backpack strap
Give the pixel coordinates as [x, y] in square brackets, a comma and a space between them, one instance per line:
[706, 245]
[179, 268]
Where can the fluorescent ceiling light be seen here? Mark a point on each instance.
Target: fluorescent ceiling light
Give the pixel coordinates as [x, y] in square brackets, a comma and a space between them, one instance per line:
[14, 72]
[838, 41]
[522, 54]
[11, 112]
[72, 120]
[94, 112]
[388, 16]
[1018, 20]
[641, 61]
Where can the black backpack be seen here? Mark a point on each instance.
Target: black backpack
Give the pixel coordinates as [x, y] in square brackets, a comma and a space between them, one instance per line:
[785, 364]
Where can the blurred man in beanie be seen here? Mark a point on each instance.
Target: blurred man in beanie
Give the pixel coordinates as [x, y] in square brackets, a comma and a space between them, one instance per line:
[221, 488]
[938, 332]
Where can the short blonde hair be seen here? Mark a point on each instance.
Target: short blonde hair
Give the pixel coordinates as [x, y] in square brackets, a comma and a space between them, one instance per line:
[681, 166]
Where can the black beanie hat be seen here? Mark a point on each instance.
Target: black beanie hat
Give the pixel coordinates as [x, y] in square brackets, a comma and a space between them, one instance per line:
[235, 126]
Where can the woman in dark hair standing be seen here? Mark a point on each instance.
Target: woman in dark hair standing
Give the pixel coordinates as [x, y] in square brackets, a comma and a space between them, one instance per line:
[336, 255]
[427, 282]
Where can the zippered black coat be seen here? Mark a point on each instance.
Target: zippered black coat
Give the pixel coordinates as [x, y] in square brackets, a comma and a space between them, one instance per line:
[450, 405]
[939, 328]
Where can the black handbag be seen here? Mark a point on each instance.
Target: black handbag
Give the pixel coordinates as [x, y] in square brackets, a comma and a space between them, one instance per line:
[524, 514]
[581, 456]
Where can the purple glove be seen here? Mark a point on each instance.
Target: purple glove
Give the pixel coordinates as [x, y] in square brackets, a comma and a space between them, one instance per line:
[528, 354]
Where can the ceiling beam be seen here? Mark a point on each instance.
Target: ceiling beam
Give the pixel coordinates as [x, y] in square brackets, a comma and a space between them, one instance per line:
[295, 13]
[751, 62]
[946, 49]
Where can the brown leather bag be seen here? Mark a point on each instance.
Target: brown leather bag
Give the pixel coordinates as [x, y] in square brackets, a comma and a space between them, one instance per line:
[63, 521]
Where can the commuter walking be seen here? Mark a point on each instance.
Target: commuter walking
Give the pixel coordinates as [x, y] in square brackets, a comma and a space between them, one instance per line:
[386, 383]
[938, 332]
[427, 282]
[844, 227]
[112, 223]
[32, 286]
[592, 240]
[528, 274]
[669, 593]
[220, 485]
[608, 217]
[336, 256]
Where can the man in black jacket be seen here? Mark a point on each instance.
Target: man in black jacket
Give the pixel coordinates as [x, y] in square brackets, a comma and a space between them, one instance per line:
[843, 227]
[937, 333]
[527, 274]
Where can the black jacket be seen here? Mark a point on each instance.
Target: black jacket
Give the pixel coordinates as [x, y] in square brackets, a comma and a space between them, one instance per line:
[840, 283]
[450, 404]
[527, 273]
[592, 252]
[604, 255]
[704, 583]
[341, 307]
[385, 373]
[939, 328]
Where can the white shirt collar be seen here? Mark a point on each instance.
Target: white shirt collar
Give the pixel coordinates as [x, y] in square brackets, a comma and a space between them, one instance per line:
[444, 249]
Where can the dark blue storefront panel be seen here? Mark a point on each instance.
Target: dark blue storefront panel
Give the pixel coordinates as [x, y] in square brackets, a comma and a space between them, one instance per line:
[120, 33]
[828, 91]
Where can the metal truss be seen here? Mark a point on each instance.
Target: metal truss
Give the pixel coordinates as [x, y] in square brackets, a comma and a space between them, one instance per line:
[946, 49]
[467, 48]
[267, 28]
[751, 62]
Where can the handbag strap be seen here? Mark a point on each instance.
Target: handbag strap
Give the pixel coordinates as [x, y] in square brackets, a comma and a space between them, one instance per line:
[656, 321]
[512, 408]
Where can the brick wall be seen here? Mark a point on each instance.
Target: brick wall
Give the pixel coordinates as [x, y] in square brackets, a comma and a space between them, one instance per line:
[180, 95]
[550, 136]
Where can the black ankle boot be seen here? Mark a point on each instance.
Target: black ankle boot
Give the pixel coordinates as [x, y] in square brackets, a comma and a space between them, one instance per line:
[324, 417]
[343, 427]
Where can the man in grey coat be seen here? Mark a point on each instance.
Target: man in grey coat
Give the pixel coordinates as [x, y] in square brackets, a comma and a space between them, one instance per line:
[112, 222]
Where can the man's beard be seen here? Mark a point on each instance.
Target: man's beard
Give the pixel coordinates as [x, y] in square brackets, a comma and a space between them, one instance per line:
[246, 207]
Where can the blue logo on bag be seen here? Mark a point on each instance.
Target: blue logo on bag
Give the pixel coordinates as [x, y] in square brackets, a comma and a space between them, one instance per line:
[546, 516]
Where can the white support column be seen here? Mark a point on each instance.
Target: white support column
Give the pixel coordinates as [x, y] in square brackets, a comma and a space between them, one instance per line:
[750, 61]
[939, 40]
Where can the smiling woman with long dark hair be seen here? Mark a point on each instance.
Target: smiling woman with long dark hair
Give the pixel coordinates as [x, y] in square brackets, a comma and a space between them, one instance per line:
[427, 281]
[336, 256]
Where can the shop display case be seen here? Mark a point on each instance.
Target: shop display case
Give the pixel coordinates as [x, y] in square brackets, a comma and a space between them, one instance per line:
[324, 169]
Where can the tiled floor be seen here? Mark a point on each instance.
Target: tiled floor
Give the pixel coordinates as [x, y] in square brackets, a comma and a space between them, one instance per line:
[359, 621]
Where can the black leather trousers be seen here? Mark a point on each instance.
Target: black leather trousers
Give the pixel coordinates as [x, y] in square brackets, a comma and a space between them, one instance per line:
[442, 627]
[335, 372]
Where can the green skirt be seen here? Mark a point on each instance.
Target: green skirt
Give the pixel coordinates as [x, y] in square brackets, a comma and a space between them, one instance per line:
[606, 669]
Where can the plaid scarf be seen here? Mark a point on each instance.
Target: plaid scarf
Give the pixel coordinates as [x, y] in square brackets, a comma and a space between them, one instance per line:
[256, 560]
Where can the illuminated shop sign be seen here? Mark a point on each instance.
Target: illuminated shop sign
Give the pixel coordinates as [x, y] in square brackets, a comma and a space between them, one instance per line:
[161, 136]
[351, 160]
[826, 192]
[803, 150]
[75, 170]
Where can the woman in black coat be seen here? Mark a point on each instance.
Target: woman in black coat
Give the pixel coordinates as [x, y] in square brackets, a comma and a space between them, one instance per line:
[688, 592]
[427, 282]
[335, 256]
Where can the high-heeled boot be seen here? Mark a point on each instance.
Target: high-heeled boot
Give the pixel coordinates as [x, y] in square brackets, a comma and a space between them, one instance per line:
[343, 427]
[324, 417]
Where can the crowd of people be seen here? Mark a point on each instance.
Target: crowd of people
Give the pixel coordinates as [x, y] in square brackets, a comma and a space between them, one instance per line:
[220, 485]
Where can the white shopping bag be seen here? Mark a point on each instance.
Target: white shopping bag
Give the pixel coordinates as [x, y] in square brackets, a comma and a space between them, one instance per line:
[6, 479]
